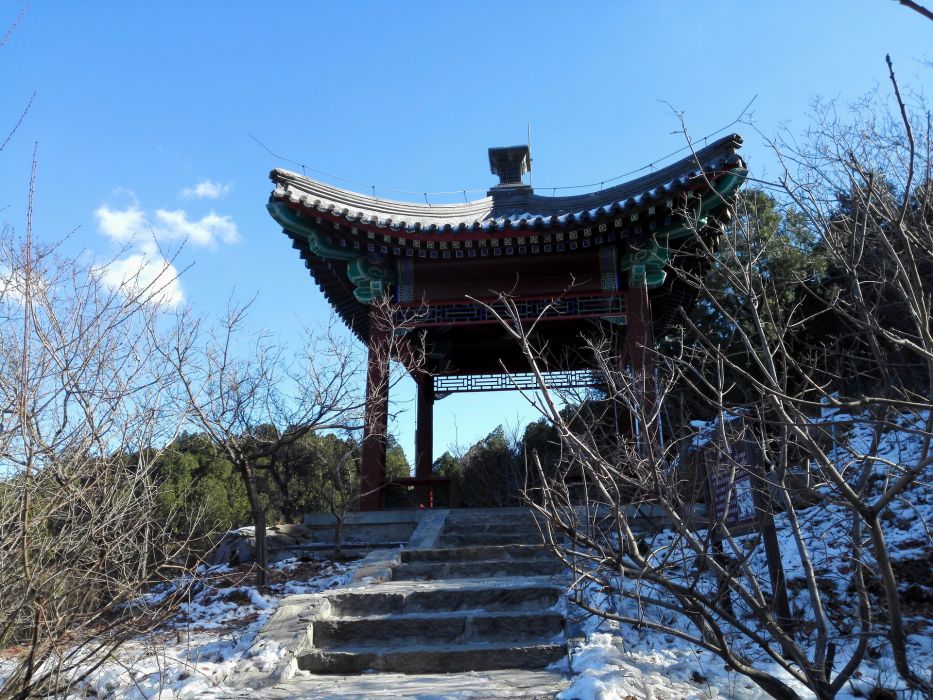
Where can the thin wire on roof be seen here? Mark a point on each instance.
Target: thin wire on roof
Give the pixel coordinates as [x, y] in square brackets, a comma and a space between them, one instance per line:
[601, 184]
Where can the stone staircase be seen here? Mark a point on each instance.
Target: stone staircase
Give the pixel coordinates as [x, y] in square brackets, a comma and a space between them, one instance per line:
[482, 598]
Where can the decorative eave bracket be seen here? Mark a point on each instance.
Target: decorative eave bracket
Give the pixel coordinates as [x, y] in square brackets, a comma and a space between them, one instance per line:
[367, 272]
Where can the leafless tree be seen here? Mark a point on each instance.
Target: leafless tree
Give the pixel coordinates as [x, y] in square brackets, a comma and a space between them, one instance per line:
[335, 480]
[640, 537]
[255, 399]
[84, 403]
[917, 7]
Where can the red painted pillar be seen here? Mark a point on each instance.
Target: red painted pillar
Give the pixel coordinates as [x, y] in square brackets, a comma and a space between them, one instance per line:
[376, 419]
[424, 432]
[640, 343]
[624, 424]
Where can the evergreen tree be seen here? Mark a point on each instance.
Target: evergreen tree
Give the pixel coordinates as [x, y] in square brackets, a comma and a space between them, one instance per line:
[199, 491]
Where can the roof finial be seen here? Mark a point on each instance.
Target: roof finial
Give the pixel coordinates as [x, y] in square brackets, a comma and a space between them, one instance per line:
[510, 163]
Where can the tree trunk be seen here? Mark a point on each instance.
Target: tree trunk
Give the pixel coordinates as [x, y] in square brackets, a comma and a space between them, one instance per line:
[259, 520]
[896, 633]
[338, 534]
[281, 482]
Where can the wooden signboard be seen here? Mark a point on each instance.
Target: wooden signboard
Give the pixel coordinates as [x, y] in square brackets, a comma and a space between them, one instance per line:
[731, 493]
[740, 503]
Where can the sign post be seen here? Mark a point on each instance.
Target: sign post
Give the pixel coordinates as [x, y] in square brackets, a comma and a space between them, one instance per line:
[740, 503]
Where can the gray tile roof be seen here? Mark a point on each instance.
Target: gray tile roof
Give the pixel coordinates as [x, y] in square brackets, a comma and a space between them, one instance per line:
[516, 207]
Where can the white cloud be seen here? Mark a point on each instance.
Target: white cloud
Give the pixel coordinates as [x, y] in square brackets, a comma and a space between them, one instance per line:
[206, 189]
[120, 225]
[144, 269]
[132, 224]
[206, 231]
[153, 278]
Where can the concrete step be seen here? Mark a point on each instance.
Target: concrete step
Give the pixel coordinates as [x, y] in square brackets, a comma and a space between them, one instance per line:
[507, 684]
[463, 594]
[468, 515]
[434, 570]
[459, 658]
[484, 539]
[481, 526]
[527, 523]
[438, 628]
[508, 552]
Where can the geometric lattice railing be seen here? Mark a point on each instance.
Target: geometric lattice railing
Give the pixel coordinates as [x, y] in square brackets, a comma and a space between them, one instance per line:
[568, 379]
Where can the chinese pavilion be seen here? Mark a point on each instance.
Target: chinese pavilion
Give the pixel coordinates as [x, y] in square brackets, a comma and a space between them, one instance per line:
[572, 262]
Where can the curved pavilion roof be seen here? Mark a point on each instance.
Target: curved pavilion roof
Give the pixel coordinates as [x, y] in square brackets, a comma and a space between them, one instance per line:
[507, 207]
[335, 229]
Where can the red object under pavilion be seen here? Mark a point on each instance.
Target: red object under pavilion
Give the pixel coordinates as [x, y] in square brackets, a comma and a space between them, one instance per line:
[599, 258]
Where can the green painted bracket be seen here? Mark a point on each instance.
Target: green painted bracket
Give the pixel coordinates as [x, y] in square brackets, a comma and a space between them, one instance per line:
[372, 280]
[682, 230]
[294, 222]
[365, 272]
[646, 265]
[725, 188]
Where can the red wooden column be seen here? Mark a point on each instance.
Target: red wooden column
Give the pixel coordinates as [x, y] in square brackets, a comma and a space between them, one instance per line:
[622, 416]
[376, 419]
[640, 341]
[424, 431]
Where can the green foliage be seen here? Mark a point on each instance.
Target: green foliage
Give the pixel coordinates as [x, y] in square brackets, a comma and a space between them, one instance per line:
[318, 473]
[541, 444]
[447, 466]
[496, 470]
[781, 250]
[490, 474]
[397, 465]
[767, 251]
[200, 493]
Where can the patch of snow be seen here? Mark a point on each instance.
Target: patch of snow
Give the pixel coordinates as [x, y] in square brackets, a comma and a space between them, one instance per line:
[209, 645]
[616, 662]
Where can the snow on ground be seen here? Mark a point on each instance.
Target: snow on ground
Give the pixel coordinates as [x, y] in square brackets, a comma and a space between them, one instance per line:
[621, 663]
[211, 638]
[625, 663]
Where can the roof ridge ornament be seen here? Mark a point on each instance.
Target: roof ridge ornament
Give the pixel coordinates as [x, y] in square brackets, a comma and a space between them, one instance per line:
[510, 163]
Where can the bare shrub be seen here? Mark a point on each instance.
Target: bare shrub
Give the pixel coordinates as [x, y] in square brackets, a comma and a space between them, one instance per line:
[256, 400]
[84, 395]
[828, 376]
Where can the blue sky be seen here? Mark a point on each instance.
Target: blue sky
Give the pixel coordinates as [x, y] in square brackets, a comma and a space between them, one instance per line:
[143, 114]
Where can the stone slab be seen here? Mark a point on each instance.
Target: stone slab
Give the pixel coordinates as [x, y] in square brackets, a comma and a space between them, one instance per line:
[377, 566]
[522, 626]
[371, 517]
[428, 532]
[514, 684]
[456, 594]
[430, 658]
[290, 629]
[427, 570]
[504, 552]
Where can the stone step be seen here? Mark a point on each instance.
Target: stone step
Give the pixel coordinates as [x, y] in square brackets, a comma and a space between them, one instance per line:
[463, 594]
[490, 514]
[434, 570]
[482, 539]
[525, 524]
[508, 552]
[438, 628]
[525, 527]
[507, 684]
[457, 658]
